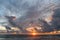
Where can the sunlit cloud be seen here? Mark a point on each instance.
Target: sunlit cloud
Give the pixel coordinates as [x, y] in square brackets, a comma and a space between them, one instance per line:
[29, 11]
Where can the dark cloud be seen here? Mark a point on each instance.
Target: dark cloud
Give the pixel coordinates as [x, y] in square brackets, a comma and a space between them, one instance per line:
[56, 19]
[30, 11]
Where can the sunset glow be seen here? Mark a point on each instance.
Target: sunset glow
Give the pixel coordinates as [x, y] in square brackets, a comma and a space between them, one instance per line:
[33, 33]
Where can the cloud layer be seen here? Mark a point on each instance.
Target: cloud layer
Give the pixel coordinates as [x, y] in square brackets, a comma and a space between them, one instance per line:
[28, 11]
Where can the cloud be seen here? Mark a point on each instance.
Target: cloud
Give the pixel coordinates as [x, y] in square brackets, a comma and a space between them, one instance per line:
[56, 18]
[28, 10]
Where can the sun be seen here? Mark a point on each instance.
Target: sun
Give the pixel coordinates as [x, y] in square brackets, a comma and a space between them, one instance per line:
[33, 34]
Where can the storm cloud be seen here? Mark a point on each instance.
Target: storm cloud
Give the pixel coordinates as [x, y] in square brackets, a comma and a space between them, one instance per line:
[28, 11]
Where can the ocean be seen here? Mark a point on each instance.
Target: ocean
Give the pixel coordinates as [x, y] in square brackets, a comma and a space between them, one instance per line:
[49, 37]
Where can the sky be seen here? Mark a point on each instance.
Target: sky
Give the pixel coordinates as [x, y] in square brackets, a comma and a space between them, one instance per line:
[29, 10]
[13, 7]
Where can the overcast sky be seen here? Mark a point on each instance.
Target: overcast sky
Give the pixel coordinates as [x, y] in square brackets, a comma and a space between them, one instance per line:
[28, 10]
[20, 7]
